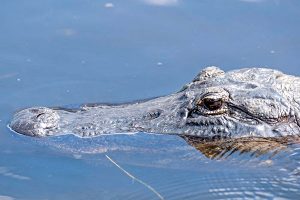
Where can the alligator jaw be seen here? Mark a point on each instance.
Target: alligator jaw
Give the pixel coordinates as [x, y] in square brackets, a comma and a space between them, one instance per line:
[90, 121]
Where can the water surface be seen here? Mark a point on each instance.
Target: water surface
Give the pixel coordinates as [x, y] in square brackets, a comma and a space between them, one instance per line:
[68, 52]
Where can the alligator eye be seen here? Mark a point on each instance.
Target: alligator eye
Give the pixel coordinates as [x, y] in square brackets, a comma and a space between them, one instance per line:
[212, 104]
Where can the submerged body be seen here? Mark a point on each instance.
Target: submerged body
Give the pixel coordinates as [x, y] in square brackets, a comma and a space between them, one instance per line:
[253, 102]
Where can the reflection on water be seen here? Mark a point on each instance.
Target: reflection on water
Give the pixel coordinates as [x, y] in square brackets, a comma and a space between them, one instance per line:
[175, 169]
[254, 146]
[172, 167]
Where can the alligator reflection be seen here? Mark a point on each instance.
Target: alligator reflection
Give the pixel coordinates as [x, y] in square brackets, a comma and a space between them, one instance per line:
[217, 149]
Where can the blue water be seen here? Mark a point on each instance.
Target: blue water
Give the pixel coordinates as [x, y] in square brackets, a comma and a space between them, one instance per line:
[68, 52]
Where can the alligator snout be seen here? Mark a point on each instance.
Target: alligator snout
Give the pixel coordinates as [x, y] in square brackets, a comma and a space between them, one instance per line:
[36, 121]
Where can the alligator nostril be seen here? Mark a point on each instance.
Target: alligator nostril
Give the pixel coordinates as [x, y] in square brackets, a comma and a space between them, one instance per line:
[39, 115]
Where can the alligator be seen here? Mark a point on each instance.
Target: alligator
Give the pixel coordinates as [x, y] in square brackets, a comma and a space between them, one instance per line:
[249, 102]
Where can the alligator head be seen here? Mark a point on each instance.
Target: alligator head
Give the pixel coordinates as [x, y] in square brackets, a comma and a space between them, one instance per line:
[253, 102]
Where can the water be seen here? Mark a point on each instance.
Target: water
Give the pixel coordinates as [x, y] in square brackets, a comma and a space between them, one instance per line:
[55, 53]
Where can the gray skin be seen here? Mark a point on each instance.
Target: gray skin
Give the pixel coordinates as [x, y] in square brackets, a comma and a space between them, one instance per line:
[251, 102]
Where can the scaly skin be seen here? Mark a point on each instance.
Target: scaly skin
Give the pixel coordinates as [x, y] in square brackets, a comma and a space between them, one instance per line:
[253, 102]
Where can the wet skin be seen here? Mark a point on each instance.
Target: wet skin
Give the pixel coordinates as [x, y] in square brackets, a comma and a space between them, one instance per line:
[251, 102]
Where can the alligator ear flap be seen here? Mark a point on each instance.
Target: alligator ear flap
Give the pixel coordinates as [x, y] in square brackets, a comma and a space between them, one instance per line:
[208, 73]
